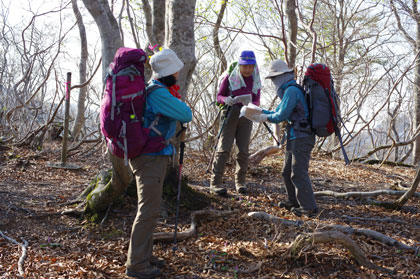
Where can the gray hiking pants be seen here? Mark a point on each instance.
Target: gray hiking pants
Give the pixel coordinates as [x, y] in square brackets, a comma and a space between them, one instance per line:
[238, 129]
[295, 172]
[149, 172]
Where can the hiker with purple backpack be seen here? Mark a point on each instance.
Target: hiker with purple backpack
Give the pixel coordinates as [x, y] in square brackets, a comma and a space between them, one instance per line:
[164, 107]
[293, 108]
[239, 87]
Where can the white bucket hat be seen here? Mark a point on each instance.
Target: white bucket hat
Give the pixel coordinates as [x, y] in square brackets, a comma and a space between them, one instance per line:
[165, 63]
[278, 67]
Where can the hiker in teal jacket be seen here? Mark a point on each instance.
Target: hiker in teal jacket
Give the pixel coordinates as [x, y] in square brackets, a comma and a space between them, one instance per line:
[150, 169]
[300, 139]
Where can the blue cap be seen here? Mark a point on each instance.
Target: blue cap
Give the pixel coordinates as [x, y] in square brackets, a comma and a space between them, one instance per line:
[247, 58]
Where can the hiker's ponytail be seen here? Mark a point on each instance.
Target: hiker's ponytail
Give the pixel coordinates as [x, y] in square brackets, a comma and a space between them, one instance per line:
[168, 80]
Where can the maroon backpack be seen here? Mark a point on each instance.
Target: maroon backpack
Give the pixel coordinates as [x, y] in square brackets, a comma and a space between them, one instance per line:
[123, 105]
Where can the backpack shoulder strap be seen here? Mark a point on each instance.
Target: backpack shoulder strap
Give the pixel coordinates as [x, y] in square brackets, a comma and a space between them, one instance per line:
[298, 86]
[151, 88]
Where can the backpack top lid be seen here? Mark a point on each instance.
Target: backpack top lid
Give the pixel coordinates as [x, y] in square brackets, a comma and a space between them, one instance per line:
[125, 57]
[320, 73]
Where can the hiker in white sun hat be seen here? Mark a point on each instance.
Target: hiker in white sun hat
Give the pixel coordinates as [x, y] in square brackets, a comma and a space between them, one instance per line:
[300, 139]
[164, 109]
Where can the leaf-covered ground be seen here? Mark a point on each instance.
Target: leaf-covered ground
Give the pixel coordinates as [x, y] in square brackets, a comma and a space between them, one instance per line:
[32, 195]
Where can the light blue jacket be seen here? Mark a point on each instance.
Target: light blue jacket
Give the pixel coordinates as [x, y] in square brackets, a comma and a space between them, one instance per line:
[292, 108]
[171, 109]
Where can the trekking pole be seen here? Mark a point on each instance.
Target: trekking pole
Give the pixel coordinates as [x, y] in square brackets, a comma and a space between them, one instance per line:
[218, 137]
[178, 196]
[272, 134]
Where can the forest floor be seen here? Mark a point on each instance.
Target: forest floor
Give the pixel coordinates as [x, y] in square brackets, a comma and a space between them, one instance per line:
[32, 195]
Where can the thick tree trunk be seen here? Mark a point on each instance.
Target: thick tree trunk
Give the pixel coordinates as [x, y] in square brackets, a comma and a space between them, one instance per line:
[108, 29]
[105, 190]
[179, 32]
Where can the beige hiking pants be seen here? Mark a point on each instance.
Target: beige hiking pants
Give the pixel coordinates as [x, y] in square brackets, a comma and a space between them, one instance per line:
[238, 129]
[150, 173]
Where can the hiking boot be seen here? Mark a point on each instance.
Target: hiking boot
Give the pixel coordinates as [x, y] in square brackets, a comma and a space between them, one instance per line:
[288, 205]
[241, 188]
[148, 273]
[217, 190]
[299, 211]
[157, 262]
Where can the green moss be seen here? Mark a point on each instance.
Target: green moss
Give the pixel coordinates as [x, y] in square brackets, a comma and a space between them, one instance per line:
[114, 233]
[94, 218]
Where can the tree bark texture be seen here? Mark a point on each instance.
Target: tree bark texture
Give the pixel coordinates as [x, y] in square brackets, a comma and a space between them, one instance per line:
[106, 191]
[159, 11]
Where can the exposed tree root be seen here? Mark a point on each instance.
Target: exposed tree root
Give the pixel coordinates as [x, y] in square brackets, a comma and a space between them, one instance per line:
[303, 242]
[345, 229]
[191, 231]
[22, 258]
[348, 195]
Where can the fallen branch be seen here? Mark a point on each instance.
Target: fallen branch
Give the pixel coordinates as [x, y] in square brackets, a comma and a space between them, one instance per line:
[348, 195]
[195, 217]
[258, 156]
[346, 229]
[303, 242]
[22, 258]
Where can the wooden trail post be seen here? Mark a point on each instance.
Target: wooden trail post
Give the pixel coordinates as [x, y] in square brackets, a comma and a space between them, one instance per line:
[64, 164]
[66, 121]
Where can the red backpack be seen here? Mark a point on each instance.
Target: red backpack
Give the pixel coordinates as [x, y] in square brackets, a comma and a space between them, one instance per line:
[123, 105]
[322, 100]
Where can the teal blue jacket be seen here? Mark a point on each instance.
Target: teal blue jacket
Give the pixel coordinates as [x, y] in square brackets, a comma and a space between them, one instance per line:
[171, 109]
[292, 108]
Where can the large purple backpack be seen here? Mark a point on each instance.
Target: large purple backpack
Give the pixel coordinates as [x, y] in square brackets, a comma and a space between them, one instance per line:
[123, 105]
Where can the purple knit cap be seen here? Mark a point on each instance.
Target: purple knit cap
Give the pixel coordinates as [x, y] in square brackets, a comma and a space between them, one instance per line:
[247, 58]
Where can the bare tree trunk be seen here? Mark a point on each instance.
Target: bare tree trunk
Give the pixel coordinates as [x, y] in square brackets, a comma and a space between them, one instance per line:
[292, 31]
[416, 152]
[179, 32]
[216, 40]
[80, 115]
[159, 12]
[108, 29]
